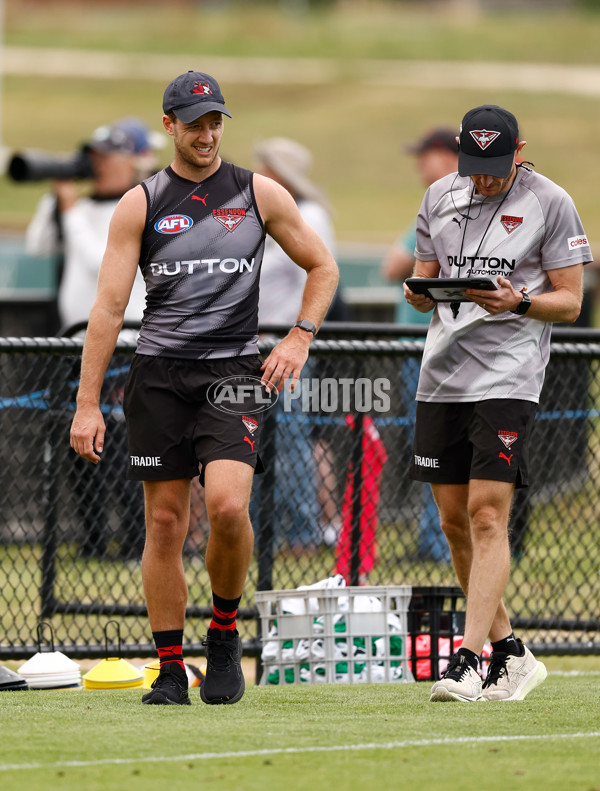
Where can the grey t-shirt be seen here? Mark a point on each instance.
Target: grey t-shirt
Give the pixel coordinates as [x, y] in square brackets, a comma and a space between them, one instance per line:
[520, 235]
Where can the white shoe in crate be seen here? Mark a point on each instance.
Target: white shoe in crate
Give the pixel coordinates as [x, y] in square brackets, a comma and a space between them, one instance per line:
[302, 651]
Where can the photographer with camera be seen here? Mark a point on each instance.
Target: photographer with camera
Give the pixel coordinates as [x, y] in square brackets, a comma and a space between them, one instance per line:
[72, 222]
[74, 226]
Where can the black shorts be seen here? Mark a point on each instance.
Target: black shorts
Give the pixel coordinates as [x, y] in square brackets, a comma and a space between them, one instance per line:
[173, 429]
[485, 439]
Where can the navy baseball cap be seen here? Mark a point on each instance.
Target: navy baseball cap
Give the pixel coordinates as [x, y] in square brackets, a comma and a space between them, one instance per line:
[193, 94]
[489, 136]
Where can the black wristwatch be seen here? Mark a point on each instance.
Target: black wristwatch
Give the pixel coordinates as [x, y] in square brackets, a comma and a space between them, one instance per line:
[523, 305]
[306, 325]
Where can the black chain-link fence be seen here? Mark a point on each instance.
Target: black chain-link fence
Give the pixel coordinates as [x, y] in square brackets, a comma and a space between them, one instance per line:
[336, 498]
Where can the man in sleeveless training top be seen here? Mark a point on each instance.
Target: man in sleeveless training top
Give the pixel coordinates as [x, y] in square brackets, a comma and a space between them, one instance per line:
[197, 231]
[482, 372]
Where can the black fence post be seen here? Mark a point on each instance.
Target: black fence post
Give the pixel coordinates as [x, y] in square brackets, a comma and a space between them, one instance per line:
[49, 535]
[266, 503]
[357, 481]
[266, 518]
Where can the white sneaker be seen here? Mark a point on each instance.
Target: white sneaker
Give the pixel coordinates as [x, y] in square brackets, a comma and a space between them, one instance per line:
[513, 677]
[459, 682]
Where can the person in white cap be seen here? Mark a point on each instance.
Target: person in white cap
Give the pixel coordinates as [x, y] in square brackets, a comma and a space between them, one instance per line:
[197, 230]
[483, 369]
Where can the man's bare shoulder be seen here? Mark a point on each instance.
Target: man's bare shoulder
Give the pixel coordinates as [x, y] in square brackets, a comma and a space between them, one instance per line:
[134, 198]
[132, 207]
[273, 200]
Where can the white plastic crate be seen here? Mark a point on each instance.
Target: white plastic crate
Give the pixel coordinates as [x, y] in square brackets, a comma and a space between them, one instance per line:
[335, 635]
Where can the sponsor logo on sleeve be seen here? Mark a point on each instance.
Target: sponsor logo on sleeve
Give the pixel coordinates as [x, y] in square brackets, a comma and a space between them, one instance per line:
[577, 241]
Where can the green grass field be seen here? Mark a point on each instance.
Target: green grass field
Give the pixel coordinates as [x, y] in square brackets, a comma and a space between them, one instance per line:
[378, 736]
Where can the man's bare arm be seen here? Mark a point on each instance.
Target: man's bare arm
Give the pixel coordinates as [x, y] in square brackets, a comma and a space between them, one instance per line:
[115, 282]
[305, 247]
[562, 303]
[422, 302]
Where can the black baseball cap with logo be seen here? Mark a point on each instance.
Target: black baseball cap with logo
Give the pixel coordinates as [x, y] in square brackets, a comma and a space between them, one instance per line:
[489, 136]
[192, 95]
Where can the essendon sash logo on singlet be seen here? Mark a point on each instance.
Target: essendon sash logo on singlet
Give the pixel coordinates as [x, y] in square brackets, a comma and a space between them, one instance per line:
[229, 218]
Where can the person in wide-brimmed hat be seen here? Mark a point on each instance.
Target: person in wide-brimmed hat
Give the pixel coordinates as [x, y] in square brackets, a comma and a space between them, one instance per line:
[289, 163]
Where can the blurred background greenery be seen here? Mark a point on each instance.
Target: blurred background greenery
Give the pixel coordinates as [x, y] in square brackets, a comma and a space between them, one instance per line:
[354, 80]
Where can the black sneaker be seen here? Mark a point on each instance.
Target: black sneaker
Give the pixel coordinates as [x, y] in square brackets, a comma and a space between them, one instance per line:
[169, 688]
[224, 680]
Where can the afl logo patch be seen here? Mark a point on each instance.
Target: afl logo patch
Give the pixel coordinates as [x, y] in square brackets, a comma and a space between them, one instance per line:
[174, 223]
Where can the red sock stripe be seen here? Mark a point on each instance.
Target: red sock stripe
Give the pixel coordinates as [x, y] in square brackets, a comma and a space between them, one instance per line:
[225, 616]
[223, 620]
[214, 625]
[171, 653]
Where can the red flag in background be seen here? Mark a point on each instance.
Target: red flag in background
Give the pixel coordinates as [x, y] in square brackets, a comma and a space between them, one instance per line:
[374, 457]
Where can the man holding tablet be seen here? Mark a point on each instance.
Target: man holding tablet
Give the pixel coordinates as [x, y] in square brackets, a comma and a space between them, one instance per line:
[483, 369]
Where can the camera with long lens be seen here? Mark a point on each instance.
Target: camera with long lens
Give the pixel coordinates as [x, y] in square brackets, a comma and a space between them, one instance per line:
[33, 165]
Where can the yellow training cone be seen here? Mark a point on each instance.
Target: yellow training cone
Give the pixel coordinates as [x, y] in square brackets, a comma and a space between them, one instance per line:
[151, 672]
[113, 673]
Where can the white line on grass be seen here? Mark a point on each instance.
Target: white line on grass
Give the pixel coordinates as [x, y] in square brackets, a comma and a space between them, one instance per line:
[297, 750]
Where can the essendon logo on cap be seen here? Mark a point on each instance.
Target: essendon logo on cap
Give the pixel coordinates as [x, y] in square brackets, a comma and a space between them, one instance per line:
[201, 87]
[508, 437]
[510, 223]
[483, 138]
[229, 218]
